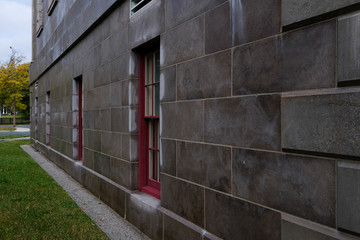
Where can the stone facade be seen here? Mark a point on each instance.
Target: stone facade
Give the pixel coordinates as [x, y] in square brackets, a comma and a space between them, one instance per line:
[259, 112]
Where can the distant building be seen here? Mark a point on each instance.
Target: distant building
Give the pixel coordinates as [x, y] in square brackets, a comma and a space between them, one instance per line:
[205, 119]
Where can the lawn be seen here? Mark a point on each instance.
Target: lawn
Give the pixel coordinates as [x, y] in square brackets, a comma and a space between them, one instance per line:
[7, 129]
[12, 136]
[33, 205]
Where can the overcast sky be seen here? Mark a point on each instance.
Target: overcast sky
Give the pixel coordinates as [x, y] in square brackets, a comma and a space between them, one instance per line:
[15, 28]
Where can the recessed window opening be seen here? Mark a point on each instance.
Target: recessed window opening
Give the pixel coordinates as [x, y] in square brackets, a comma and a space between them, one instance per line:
[136, 5]
[77, 118]
[48, 122]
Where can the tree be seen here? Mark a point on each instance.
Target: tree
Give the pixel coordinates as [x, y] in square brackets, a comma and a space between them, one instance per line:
[14, 89]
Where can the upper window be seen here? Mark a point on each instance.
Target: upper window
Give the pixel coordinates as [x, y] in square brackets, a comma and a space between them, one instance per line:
[51, 6]
[149, 113]
[39, 16]
[136, 5]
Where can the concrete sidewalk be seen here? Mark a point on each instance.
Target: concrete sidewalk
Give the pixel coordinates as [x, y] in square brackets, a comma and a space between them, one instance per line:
[112, 224]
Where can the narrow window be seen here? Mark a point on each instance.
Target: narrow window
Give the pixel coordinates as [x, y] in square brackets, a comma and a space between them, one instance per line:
[149, 113]
[51, 6]
[136, 5]
[78, 115]
[48, 123]
[39, 17]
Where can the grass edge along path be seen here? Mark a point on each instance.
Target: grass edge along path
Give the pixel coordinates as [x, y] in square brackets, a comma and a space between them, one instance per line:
[12, 136]
[33, 205]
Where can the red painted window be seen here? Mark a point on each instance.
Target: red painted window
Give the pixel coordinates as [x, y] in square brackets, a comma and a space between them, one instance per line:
[78, 116]
[80, 130]
[149, 124]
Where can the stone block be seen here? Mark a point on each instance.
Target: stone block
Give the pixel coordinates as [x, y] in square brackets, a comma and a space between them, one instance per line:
[168, 84]
[102, 76]
[130, 92]
[348, 48]
[168, 157]
[130, 150]
[227, 217]
[176, 48]
[299, 10]
[120, 119]
[174, 230]
[102, 119]
[120, 68]
[302, 59]
[92, 99]
[145, 217]
[102, 164]
[178, 12]
[124, 173]
[91, 182]
[291, 231]
[111, 144]
[113, 196]
[204, 164]
[147, 25]
[300, 185]
[218, 29]
[245, 122]
[88, 160]
[111, 95]
[322, 121]
[207, 77]
[183, 198]
[248, 18]
[189, 120]
[348, 196]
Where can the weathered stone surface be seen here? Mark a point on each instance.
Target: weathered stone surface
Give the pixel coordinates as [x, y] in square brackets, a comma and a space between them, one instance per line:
[88, 159]
[184, 199]
[218, 29]
[298, 10]
[102, 164]
[120, 119]
[303, 59]
[291, 231]
[111, 144]
[113, 196]
[246, 121]
[204, 164]
[348, 48]
[129, 149]
[168, 157]
[180, 11]
[189, 120]
[102, 119]
[147, 25]
[91, 182]
[300, 185]
[92, 140]
[348, 196]
[248, 18]
[124, 173]
[227, 217]
[168, 84]
[145, 217]
[322, 121]
[206, 77]
[176, 48]
[174, 230]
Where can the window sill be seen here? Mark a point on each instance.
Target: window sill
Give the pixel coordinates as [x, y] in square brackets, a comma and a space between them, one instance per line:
[151, 191]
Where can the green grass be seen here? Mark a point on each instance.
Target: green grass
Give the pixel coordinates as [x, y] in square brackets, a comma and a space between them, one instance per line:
[12, 136]
[33, 205]
[7, 129]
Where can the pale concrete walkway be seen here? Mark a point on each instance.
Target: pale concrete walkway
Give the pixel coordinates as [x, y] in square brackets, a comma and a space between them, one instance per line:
[111, 223]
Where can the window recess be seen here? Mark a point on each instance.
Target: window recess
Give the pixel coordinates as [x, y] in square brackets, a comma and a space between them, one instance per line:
[136, 5]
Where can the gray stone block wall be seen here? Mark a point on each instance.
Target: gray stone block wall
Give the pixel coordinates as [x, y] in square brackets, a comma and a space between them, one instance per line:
[255, 121]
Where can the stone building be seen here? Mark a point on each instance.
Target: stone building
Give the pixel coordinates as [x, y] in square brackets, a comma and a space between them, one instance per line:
[206, 119]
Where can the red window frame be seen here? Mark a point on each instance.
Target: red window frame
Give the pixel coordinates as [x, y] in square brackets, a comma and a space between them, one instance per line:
[146, 184]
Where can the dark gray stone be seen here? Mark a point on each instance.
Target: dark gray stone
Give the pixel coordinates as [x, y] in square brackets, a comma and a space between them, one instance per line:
[248, 18]
[180, 11]
[120, 68]
[168, 84]
[184, 199]
[204, 164]
[102, 164]
[91, 182]
[228, 217]
[176, 48]
[120, 119]
[145, 217]
[174, 230]
[298, 10]
[218, 29]
[123, 173]
[246, 122]
[348, 48]
[88, 159]
[303, 59]
[189, 120]
[322, 121]
[130, 148]
[113, 196]
[147, 25]
[348, 196]
[102, 119]
[111, 144]
[291, 231]
[206, 77]
[168, 157]
[300, 185]
[92, 140]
